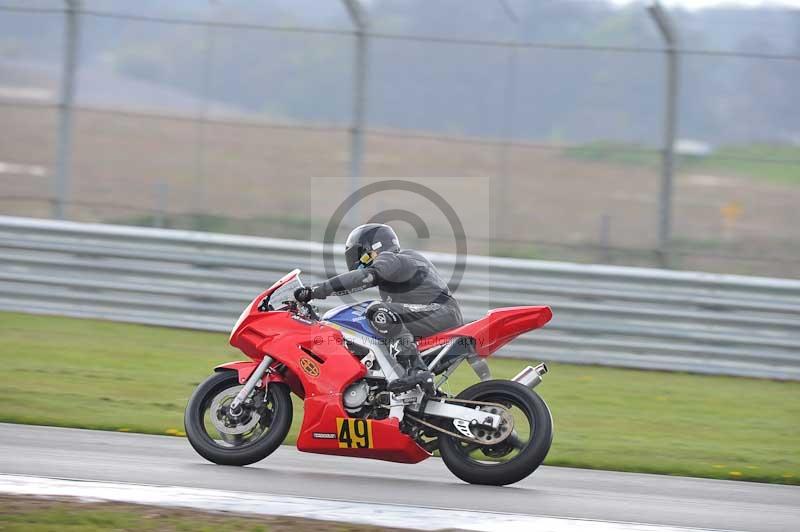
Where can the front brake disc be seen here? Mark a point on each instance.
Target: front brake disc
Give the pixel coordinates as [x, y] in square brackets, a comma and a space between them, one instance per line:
[218, 418]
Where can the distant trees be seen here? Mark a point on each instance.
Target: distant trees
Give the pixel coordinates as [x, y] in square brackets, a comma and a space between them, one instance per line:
[570, 95]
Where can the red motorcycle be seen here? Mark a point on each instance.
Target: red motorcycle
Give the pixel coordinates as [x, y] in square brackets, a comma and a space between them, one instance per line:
[495, 432]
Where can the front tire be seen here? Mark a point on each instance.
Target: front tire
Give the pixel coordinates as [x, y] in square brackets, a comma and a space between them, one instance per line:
[268, 420]
[485, 465]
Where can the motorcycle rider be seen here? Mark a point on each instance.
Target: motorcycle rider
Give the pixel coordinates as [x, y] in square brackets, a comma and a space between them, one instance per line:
[416, 301]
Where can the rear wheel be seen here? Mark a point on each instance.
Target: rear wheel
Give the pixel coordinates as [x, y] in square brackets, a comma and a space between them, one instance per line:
[512, 459]
[218, 436]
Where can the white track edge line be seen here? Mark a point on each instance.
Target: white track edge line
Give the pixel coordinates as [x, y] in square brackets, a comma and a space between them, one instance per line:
[387, 515]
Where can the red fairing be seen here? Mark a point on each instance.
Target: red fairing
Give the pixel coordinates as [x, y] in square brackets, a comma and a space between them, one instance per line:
[496, 329]
[320, 430]
[312, 352]
[318, 368]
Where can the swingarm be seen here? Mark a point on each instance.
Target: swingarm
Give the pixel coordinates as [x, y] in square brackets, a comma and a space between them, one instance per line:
[472, 415]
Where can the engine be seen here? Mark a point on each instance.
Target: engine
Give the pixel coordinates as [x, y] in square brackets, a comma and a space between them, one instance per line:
[355, 395]
[363, 399]
[366, 398]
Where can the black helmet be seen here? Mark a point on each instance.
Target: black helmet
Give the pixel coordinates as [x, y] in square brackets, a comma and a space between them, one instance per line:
[365, 239]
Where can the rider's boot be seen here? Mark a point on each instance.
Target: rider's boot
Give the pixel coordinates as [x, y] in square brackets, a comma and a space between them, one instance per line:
[417, 373]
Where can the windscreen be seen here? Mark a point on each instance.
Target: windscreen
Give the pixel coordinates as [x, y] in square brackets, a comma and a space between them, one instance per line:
[284, 293]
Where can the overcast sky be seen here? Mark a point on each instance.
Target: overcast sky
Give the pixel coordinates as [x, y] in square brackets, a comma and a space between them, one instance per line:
[695, 4]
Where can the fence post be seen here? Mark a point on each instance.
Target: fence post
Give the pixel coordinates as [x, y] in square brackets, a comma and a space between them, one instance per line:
[667, 30]
[161, 194]
[200, 190]
[509, 111]
[360, 76]
[66, 97]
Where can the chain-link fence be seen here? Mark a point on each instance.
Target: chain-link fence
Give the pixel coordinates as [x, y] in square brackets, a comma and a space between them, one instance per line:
[216, 116]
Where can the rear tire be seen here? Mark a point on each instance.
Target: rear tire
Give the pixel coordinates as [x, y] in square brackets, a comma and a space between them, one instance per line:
[529, 457]
[248, 453]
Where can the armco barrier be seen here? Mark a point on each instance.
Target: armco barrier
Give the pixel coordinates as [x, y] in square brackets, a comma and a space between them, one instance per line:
[608, 315]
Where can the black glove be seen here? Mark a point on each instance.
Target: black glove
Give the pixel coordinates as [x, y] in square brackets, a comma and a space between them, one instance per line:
[304, 294]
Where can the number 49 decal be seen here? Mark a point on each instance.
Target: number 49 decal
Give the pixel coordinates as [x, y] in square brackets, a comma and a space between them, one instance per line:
[354, 433]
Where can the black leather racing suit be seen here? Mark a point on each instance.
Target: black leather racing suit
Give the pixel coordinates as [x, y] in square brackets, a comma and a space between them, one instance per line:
[410, 285]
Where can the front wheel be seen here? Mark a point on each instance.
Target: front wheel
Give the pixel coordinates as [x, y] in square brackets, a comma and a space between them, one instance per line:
[514, 458]
[258, 430]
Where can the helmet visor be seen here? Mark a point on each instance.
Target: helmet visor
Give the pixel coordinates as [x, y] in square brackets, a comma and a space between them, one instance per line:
[353, 255]
[365, 260]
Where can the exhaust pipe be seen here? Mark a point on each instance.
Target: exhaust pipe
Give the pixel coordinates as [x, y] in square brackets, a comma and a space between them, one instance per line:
[530, 376]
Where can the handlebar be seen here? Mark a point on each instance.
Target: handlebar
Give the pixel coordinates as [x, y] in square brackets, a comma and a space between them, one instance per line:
[294, 305]
[310, 312]
[302, 309]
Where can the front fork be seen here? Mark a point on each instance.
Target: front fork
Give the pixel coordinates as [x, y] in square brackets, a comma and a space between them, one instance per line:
[235, 407]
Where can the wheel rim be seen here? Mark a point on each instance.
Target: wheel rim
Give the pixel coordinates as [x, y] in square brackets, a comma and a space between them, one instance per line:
[511, 447]
[236, 432]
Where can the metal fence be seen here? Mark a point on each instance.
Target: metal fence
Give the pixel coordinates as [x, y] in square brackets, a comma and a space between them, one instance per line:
[126, 120]
[605, 315]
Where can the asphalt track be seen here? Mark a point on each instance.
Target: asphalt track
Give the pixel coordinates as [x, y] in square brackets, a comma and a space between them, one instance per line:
[551, 491]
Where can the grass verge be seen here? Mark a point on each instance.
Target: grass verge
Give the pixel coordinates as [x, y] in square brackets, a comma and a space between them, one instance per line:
[113, 376]
[777, 163]
[28, 514]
